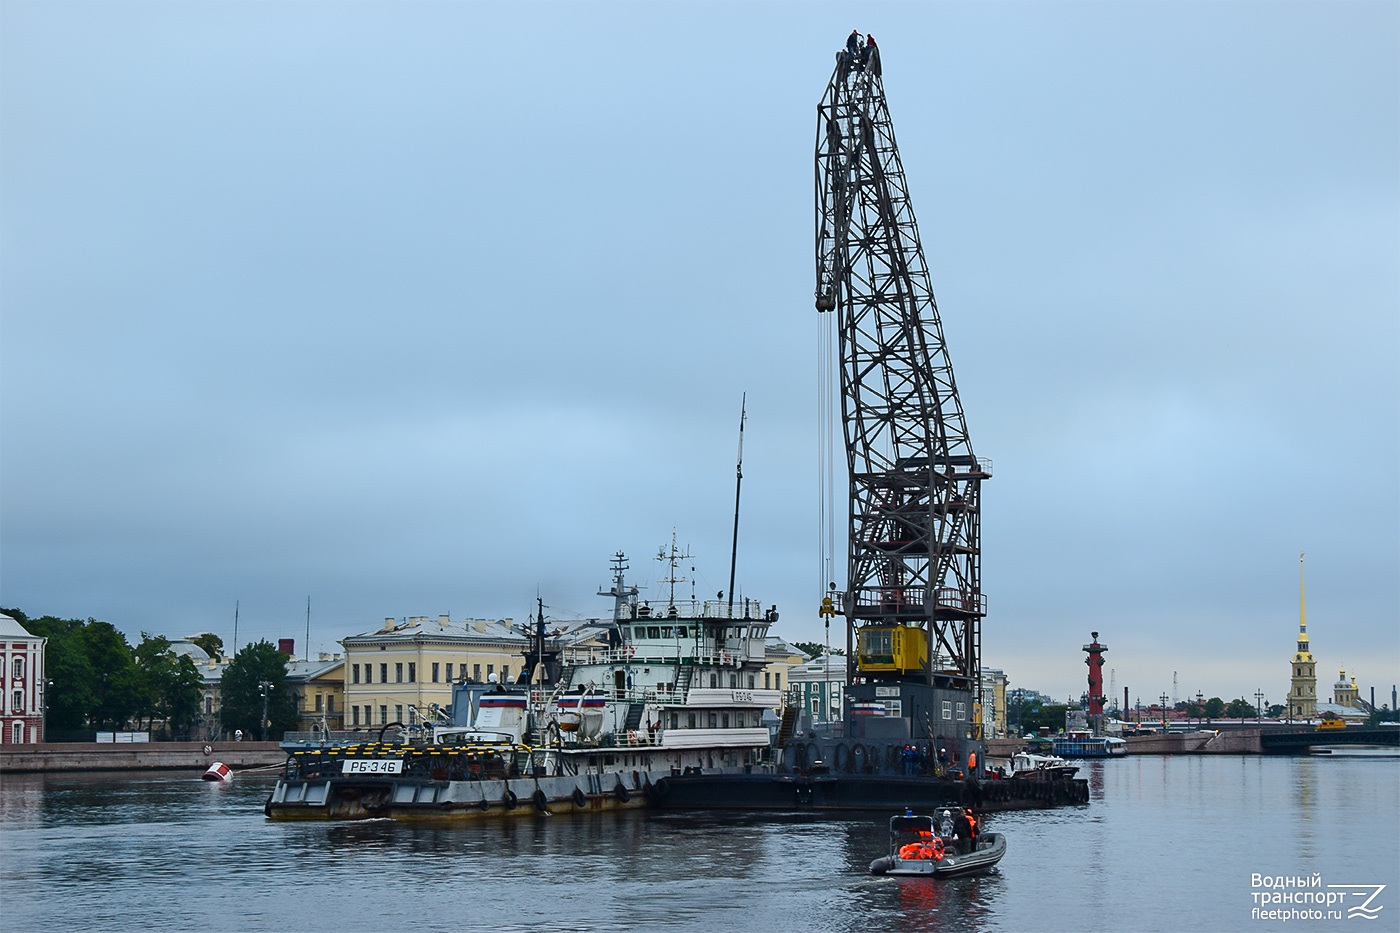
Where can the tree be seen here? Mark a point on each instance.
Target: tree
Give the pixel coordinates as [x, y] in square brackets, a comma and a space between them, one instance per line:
[242, 692]
[170, 685]
[69, 695]
[815, 649]
[116, 683]
[1034, 716]
[1214, 707]
[212, 644]
[1384, 714]
[1240, 709]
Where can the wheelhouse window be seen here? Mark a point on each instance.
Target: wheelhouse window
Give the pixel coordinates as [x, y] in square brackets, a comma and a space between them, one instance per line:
[947, 710]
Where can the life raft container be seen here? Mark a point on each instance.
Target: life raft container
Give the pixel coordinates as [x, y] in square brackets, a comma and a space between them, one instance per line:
[218, 771]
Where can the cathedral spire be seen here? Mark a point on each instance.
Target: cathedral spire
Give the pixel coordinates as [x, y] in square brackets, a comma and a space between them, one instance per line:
[1302, 693]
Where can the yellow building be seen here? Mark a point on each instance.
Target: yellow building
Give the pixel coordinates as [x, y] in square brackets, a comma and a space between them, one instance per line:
[318, 687]
[399, 672]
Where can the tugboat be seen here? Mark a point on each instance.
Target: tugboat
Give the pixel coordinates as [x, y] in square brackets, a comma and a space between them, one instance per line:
[923, 847]
[651, 694]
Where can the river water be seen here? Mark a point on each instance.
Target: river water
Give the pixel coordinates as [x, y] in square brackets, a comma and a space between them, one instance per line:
[1168, 843]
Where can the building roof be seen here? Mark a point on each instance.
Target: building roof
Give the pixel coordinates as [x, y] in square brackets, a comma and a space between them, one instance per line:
[10, 628]
[427, 628]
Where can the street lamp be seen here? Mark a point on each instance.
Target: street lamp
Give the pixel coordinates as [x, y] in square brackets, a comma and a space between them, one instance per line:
[265, 687]
[44, 710]
[1259, 705]
[1164, 714]
[1200, 708]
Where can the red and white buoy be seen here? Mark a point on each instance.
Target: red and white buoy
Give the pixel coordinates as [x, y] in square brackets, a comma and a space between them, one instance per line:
[219, 771]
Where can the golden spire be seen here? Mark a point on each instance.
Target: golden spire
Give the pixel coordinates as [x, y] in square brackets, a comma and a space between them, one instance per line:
[1303, 653]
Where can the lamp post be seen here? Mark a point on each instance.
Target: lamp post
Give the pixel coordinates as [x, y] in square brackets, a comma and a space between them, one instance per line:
[1200, 708]
[265, 686]
[44, 685]
[1259, 705]
[1164, 714]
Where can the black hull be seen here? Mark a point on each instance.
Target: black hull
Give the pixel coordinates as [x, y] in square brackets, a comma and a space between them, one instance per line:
[831, 792]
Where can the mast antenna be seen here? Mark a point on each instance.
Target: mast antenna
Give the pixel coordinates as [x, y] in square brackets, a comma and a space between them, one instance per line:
[738, 484]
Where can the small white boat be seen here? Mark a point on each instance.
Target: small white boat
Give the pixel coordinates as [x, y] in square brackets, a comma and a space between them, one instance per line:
[924, 847]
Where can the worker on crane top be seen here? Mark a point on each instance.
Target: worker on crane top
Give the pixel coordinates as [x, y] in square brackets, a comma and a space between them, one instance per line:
[853, 45]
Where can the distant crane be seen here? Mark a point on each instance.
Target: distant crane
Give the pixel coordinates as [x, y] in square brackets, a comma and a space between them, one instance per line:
[913, 600]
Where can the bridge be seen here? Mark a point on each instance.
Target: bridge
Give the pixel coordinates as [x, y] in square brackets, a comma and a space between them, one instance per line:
[1295, 743]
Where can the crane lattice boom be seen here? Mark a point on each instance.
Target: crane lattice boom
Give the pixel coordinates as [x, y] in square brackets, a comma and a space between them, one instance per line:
[914, 540]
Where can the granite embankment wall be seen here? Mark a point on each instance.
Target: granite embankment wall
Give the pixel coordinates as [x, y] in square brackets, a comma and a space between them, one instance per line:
[1228, 742]
[153, 756]
[1231, 742]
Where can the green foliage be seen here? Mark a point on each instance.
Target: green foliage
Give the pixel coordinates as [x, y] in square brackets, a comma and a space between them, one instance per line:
[1384, 714]
[212, 644]
[68, 669]
[242, 692]
[1035, 715]
[1240, 709]
[1214, 707]
[170, 685]
[815, 649]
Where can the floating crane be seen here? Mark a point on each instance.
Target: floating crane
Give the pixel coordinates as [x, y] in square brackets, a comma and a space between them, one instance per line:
[913, 600]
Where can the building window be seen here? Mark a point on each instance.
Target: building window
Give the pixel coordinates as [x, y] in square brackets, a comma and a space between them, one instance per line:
[777, 681]
[354, 715]
[17, 733]
[330, 702]
[947, 710]
[449, 672]
[476, 673]
[19, 702]
[19, 669]
[435, 672]
[368, 718]
[318, 702]
[505, 672]
[767, 678]
[413, 672]
[398, 712]
[962, 711]
[354, 673]
[490, 669]
[383, 715]
[208, 706]
[384, 673]
[398, 673]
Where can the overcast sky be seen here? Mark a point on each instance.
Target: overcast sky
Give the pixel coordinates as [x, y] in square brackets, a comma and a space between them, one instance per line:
[428, 308]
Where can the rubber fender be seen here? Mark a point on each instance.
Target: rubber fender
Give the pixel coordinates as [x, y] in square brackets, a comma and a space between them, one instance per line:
[621, 792]
[580, 798]
[540, 800]
[509, 800]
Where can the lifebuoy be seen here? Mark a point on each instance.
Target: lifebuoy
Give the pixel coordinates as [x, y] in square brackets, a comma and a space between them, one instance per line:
[540, 800]
[580, 798]
[631, 651]
[631, 736]
[509, 800]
